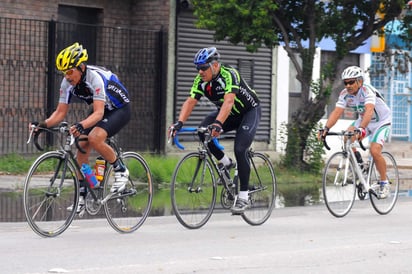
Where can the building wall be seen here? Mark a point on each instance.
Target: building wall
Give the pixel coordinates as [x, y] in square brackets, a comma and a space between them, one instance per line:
[144, 14]
[130, 46]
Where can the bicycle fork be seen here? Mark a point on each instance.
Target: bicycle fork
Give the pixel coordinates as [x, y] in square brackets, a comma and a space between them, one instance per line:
[199, 167]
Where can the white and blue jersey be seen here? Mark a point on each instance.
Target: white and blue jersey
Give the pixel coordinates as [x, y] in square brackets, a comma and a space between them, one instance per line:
[98, 84]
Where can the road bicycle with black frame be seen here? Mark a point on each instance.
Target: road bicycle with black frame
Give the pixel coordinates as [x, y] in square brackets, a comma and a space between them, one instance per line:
[195, 180]
[344, 176]
[52, 186]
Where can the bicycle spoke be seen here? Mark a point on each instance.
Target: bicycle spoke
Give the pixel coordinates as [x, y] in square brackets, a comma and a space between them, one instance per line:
[45, 204]
[339, 185]
[128, 210]
[262, 184]
[193, 191]
[385, 205]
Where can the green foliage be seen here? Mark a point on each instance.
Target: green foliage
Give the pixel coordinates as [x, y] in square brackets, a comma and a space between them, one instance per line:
[313, 151]
[269, 22]
[162, 168]
[239, 21]
[299, 26]
[15, 164]
[298, 188]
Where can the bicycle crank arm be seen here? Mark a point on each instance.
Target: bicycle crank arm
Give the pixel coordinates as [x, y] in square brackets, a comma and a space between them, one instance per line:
[51, 194]
[112, 196]
[195, 190]
[256, 189]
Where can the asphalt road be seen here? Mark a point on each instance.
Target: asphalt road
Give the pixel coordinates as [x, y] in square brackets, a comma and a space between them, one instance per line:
[293, 240]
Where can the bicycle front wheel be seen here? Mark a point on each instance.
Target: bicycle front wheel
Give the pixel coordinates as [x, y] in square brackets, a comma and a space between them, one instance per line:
[50, 188]
[385, 205]
[127, 211]
[193, 190]
[339, 184]
[262, 189]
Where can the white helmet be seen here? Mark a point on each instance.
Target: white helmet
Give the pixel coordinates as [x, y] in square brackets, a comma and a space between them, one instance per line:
[352, 72]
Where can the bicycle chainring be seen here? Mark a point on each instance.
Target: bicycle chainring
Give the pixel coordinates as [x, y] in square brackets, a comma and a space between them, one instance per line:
[92, 206]
[361, 194]
[226, 199]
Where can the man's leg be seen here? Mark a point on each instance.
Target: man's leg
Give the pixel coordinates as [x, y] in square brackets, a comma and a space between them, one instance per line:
[376, 152]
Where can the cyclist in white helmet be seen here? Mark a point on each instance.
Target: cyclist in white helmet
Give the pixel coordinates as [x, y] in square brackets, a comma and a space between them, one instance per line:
[374, 117]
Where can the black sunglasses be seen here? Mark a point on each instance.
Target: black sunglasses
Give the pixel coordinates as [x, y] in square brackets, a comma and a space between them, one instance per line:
[203, 67]
[350, 82]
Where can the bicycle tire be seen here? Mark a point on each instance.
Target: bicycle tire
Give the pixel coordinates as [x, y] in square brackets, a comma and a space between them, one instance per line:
[384, 206]
[262, 189]
[50, 187]
[339, 190]
[127, 211]
[193, 190]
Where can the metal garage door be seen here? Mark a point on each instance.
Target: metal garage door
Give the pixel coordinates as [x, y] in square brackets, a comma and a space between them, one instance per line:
[256, 68]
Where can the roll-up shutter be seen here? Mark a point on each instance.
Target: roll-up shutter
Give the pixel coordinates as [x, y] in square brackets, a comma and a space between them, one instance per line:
[255, 68]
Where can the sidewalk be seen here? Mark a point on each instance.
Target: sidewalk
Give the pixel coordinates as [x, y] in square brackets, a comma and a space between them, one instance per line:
[11, 182]
[404, 164]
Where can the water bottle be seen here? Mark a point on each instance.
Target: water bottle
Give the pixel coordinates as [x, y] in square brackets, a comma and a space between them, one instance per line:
[90, 177]
[100, 166]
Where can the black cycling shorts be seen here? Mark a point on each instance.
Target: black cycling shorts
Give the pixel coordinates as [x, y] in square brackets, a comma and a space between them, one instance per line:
[113, 121]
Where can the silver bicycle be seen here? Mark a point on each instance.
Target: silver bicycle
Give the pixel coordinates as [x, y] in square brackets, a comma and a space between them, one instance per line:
[343, 177]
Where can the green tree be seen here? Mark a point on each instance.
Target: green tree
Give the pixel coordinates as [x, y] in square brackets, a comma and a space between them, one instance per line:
[298, 26]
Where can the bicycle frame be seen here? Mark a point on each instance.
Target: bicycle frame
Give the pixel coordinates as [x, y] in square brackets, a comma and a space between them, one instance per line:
[194, 195]
[51, 190]
[68, 155]
[348, 148]
[204, 150]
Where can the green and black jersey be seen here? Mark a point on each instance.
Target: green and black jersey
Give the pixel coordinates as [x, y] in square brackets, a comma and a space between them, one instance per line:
[227, 81]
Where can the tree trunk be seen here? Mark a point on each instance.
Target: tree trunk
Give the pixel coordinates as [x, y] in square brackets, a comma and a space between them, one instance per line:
[306, 118]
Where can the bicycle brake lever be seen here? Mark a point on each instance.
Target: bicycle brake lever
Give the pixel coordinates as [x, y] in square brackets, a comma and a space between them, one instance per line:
[72, 139]
[170, 137]
[31, 133]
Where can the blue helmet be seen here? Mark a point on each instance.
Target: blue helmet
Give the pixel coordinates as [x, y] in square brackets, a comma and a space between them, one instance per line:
[206, 55]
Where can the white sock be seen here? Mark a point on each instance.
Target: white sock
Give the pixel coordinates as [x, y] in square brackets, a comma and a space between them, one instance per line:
[244, 195]
[225, 160]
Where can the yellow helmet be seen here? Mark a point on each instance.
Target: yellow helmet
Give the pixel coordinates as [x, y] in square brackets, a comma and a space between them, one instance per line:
[71, 57]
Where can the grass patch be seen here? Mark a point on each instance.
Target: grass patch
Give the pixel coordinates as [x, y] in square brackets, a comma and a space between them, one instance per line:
[15, 164]
[296, 188]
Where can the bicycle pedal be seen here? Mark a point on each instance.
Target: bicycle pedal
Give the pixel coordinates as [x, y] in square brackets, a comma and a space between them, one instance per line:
[82, 212]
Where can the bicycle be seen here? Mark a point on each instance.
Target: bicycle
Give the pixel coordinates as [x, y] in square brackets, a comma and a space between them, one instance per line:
[343, 176]
[197, 174]
[52, 185]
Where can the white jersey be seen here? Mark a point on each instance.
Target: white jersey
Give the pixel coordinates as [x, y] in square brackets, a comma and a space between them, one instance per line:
[366, 95]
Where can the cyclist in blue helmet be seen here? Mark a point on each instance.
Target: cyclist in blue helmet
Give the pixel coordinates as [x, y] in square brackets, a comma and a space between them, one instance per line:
[238, 108]
[206, 55]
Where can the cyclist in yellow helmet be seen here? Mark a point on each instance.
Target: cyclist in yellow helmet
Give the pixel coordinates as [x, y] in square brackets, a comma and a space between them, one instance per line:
[100, 88]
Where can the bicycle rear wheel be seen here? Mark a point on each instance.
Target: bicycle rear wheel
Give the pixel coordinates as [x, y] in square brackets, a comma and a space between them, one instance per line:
[50, 187]
[384, 206]
[128, 210]
[193, 190]
[262, 189]
[339, 184]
